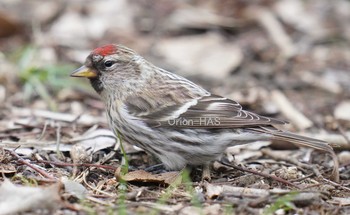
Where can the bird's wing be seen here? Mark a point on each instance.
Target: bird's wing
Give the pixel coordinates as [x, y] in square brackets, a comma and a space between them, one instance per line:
[213, 111]
[210, 111]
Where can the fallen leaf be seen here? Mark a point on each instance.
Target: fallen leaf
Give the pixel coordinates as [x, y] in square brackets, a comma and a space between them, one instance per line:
[8, 27]
[17, 199]
[74, 188]
[142, 176]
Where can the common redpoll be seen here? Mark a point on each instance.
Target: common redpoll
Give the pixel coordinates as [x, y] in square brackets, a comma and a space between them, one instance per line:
[171, 117]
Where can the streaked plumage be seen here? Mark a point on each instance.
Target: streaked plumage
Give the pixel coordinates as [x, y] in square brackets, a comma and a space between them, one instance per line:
[170, 116]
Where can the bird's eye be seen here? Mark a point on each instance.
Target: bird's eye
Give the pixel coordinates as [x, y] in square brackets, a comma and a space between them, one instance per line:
[108, 63]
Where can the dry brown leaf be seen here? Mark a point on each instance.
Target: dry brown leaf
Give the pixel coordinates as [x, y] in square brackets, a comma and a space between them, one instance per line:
[142, 176]
[8, 27]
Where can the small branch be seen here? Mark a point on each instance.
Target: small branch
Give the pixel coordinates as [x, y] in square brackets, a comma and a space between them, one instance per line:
[291, 160]
[289, 111]
[43, 131]
[21, 160]
[274, 28]
[34, 143]
[302, 178]
[261, 174]
[343, 133]
[76, 164]
[83, 119]
[336, 184]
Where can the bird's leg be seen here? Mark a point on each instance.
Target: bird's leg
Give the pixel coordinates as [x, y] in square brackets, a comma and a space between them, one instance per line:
[206, 172]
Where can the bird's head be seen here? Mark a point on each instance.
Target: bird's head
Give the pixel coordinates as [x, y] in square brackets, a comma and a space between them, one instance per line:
[113, 68]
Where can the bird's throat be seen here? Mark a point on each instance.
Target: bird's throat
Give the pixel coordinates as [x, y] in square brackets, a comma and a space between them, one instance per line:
[96, 84]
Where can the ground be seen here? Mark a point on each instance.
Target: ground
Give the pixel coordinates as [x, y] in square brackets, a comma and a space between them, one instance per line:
[288, 59]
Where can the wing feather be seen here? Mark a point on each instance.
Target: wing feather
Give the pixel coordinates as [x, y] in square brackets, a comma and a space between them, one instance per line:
[209, 111]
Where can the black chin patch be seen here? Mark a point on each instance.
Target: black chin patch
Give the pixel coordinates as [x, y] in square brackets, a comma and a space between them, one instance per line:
[96, 84]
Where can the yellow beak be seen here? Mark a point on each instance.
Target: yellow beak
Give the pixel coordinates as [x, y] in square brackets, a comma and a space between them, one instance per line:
[84, 72]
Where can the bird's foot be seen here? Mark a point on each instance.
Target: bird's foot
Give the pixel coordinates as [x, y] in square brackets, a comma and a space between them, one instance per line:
[156, 169]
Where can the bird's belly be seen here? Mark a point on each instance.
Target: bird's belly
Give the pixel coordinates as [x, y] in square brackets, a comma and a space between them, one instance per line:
[178, 147]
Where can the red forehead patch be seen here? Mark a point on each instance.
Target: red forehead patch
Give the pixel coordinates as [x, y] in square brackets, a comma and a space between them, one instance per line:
[105, 50]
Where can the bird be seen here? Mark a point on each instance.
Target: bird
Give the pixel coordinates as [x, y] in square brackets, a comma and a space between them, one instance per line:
[172, 118]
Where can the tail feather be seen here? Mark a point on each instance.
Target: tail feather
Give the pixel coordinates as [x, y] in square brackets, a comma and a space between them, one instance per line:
[305, 142]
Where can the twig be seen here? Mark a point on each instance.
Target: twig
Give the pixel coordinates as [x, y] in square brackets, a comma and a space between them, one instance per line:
[21, 160]
[289, 111]
[268, 20]
[259, 201]
[43, 131]
[321, 82]
[77, 164]
[166, 209]
[292, 160]
[83, 119]
[343, 133]
[261, 174]
[95, 188]
[23, 134]
[76, 118]
[27, 126]
[336, 184]
[53, 158]
[58, 141]
[302, 178]
[42, 180]
[99, 201]
[33, 143]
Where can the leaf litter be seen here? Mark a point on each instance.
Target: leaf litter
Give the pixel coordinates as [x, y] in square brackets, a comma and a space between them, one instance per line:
[287, 59]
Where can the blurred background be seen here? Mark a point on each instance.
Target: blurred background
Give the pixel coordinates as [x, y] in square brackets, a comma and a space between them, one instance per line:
[240, 49]
[288, 59]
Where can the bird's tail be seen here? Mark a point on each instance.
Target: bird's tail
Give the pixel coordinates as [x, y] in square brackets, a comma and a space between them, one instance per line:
[304, 142]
